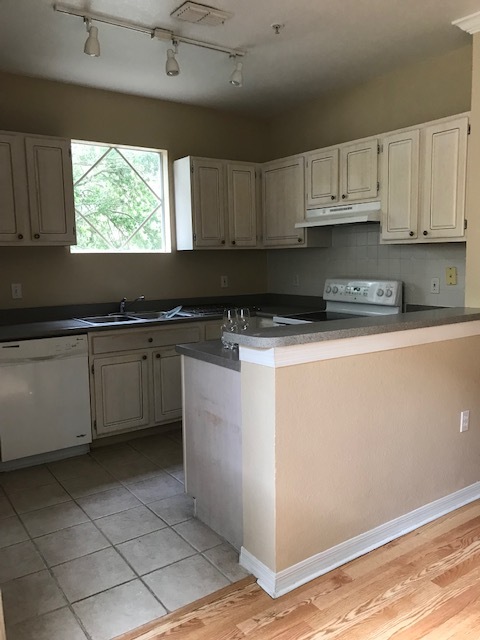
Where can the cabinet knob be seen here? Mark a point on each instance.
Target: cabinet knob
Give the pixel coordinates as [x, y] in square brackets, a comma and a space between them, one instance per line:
[299, 240]
[233, 242]
[20, 236]
[332, 197]
[36, 236]
[157, 355]
[425, 233]
[343, 196]
[144, 357]
[411, 234]
[223, 241]
[150, 339]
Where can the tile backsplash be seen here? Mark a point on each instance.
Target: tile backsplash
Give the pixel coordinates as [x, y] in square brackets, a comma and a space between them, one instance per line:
[356, 252]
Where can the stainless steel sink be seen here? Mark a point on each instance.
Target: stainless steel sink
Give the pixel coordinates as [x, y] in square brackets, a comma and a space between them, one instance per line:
[148, 315]
[109, 319]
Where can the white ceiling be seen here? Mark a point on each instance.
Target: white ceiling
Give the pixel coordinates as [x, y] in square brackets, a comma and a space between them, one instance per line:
[325, 45]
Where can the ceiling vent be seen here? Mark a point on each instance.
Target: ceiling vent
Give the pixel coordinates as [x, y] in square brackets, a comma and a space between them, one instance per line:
[201, 14]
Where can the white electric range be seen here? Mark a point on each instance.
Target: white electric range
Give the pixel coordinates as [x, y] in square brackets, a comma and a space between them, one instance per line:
[348, 297]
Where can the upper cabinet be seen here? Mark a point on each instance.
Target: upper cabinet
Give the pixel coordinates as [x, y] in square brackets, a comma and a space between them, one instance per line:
[283, 200]
[424, 177]
[215, 204]
[347, 173]
[36, 191]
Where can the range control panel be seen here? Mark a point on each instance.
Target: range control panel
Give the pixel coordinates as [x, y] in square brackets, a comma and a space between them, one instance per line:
[386, 293]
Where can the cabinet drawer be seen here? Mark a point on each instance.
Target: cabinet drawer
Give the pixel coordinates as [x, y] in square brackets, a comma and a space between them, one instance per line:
[130, 339]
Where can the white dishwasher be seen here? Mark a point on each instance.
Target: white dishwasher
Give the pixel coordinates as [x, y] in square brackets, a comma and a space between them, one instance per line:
[44, 396]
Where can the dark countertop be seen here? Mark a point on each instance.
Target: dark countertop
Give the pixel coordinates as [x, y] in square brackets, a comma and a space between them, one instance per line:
[212, 352]
[351, 328]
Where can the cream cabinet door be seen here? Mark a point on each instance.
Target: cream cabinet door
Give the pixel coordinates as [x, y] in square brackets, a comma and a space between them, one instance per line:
[50, 190]
[242, 210]
[167, 385]
[283, 189]
[208, 202]
[122, 391]
[14, 226]
[213, 330]
[359, 171]
[445, 159]
[400, 166]
[321, 174]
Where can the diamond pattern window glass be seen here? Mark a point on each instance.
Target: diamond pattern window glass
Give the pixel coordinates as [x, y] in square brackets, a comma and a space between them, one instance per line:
[119, 198]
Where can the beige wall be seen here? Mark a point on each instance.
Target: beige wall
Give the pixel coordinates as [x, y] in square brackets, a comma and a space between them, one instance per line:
[51, 276]
[351, 452]
[431, 89]
[472, 276]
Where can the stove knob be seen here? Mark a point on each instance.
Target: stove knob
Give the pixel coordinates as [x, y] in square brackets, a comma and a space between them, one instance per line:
[380, 292]
[328, 289]
[335, 289]
[389, 293]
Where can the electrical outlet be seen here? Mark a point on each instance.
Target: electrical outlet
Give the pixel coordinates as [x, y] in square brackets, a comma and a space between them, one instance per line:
[224, 281]
[451, 275]
[435, 285]
[464, 420]
[16, 291]
[296, 280]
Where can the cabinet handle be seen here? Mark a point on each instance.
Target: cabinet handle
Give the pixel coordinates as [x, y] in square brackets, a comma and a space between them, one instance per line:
[233, 242]
[157, 355]
[332, 197]
[343, 196]
[425, 233]
[150, 339]
[144, 357]
[20, 236]
[36, 236]
[411, 234]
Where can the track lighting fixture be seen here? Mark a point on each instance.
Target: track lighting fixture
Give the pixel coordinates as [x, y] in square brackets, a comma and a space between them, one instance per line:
[92, 45]
[172, 68]
[236, 79]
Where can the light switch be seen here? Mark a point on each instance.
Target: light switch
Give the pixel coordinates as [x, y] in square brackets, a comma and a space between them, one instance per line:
[451, 275]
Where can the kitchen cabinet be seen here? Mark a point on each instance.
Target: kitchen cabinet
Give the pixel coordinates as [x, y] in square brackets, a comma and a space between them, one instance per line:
[135, 376]
[36, 191]
[167, 385]
[215, 204]
[345, 173]
[121, 388]
[424, 171]
[283, 191]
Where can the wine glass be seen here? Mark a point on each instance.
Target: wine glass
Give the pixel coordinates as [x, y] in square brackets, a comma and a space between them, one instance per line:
[229, 326]
[243, 318]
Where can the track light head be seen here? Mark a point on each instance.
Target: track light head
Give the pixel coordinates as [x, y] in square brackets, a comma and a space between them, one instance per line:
[92, 45]
[236, 79]
[172, 68]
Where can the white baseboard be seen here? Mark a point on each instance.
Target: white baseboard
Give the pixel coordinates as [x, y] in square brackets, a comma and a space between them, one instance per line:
[277, 584]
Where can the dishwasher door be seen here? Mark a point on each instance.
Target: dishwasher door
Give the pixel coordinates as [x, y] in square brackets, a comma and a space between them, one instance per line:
[44, 396]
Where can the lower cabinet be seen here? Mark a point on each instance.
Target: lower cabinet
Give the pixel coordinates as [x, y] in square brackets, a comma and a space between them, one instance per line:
[135, 376]
[121, 385]
[167, 385]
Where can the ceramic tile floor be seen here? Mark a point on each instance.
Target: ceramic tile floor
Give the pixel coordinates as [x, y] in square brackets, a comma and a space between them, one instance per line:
[94, 546]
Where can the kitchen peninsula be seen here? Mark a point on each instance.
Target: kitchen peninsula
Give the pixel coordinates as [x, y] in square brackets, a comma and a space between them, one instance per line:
[350, 434]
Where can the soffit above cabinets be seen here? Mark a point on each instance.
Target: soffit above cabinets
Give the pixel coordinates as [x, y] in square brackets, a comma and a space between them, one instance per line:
[324, 45]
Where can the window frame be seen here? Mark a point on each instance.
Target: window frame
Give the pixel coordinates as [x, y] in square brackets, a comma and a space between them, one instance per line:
[165, 207]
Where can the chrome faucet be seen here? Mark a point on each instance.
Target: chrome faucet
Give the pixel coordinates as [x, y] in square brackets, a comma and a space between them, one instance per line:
[123, 303]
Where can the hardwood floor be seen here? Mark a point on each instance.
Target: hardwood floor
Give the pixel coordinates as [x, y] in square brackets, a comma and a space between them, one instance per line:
[424, 585]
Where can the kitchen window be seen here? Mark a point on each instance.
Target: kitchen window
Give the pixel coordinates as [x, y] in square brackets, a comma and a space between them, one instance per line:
[120, 199]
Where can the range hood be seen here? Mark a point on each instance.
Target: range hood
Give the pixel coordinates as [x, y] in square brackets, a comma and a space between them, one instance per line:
[342, 214]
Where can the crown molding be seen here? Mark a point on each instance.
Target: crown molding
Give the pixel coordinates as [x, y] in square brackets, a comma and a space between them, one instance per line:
[470, 24]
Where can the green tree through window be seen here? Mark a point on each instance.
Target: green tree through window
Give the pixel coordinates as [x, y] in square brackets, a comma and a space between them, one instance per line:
[119, 198]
